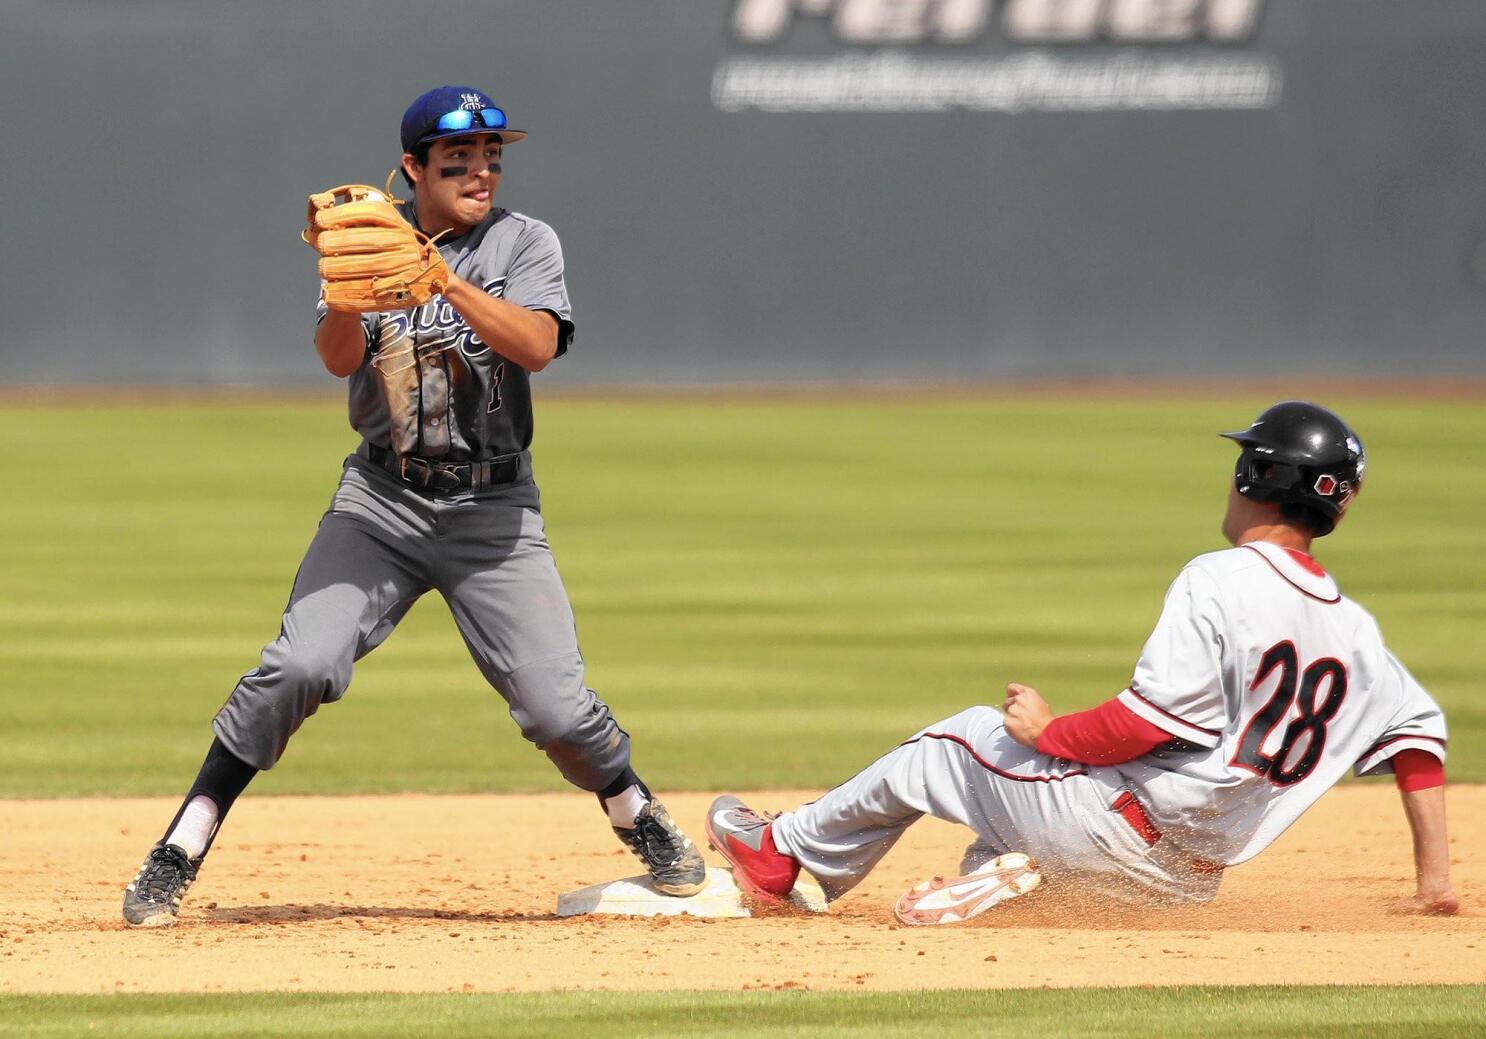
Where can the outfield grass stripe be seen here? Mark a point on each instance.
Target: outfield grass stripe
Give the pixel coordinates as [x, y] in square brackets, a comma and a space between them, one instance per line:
[876, 565]
[1253, 1013]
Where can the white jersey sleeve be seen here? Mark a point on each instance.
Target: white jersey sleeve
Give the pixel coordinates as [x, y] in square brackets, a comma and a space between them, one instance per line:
[1279, 685]
[1417, 722]
[1178, 683]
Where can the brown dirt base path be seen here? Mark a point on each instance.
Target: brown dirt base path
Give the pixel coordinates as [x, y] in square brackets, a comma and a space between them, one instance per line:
[439, 894]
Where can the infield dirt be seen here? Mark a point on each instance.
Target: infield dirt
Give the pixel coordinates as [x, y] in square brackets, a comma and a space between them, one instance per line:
[453, 893]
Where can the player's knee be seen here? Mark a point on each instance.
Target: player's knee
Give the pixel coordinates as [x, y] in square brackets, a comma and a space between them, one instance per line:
[986, 717]
[548, 723]
[312, 676]
[976, 723]
[564, 718]
[548, 698]
[970, 723]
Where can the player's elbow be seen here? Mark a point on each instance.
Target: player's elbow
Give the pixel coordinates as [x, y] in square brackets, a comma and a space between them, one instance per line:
[341, 344]
[543, 352]
[541, 340]
[339, 367]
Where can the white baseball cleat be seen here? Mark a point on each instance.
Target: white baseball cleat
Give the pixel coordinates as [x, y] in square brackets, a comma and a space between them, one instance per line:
[952, 900]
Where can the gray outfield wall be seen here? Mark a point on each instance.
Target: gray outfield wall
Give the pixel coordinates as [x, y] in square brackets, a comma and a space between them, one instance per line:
[776, 189]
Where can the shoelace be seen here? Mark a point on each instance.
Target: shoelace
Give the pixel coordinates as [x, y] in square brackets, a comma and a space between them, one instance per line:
[654, 837]
[166, 869]
[751, 816]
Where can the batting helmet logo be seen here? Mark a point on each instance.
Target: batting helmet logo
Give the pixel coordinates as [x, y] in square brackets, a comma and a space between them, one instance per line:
[1326, 485]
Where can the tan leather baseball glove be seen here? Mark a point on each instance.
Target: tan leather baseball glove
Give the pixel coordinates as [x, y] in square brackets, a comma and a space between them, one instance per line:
[371, 259]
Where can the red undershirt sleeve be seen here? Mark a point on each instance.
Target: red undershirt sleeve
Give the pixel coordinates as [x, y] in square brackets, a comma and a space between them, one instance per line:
[1105, 735]
[1415, 770]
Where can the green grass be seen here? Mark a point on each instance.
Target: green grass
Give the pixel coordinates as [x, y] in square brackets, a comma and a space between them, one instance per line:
[767, 594]
[1252, 1013]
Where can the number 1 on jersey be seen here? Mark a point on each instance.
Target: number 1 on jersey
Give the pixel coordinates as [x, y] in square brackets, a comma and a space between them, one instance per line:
[1285, 767]
[495, 378]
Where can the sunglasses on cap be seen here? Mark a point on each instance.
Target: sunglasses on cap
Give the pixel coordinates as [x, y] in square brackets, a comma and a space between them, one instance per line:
[491, 118]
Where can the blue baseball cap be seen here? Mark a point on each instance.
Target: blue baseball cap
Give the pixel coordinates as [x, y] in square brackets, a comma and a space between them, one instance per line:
[454, 112]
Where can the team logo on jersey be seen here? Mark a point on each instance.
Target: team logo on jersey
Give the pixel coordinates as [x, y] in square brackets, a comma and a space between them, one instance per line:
[436, 326]
[1047, 55]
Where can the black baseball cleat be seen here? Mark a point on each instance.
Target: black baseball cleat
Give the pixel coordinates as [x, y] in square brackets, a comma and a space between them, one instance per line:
[674, 864]
[154, 896]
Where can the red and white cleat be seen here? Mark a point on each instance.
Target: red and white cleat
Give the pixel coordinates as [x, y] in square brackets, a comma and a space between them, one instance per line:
[744, 838]
[952, 900]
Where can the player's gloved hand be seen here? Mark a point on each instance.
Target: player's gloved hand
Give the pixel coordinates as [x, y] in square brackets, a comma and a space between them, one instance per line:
[371, 259]
[1027, 714]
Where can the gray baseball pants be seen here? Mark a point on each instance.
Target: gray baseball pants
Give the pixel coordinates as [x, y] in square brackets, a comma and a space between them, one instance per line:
[380, 546]
[968, 770]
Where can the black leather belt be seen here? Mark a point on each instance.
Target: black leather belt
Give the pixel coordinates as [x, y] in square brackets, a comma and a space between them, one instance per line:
[447, 477]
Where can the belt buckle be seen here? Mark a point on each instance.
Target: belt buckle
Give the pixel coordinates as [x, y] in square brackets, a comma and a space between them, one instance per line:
[436, 476]
[442, 472]
[413, 470]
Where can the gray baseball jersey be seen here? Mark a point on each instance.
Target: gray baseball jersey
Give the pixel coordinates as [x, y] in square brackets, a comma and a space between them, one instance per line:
[428, 386]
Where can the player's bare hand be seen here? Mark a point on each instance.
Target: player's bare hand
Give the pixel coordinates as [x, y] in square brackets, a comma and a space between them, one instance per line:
[1027, 714]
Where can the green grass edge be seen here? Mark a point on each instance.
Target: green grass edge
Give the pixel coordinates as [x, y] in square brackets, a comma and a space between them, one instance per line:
[1135, 1012]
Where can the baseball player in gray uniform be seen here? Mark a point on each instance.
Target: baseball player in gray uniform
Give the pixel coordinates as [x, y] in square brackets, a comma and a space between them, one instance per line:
[439, 496]
[1261, 686]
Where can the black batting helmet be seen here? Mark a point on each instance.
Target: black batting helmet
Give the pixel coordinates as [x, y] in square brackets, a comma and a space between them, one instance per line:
[1304, 459]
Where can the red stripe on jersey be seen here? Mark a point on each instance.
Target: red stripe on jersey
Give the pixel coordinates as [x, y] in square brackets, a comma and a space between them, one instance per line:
[1394, 739]
[1167, 714]
[1415, 769]
[1105, 735]
[983, 763]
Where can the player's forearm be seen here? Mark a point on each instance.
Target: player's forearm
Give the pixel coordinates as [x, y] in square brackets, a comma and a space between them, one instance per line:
[340, 340]
[1105, 735]
[525, 337]
[1425, 810]
[1109, 734]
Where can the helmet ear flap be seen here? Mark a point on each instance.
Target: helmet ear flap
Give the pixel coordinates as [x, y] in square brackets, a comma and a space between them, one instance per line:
[1263, 479]
[1243, 477]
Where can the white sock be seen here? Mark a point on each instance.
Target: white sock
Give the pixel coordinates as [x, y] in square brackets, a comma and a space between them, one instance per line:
[623, 807]
[195, 826]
